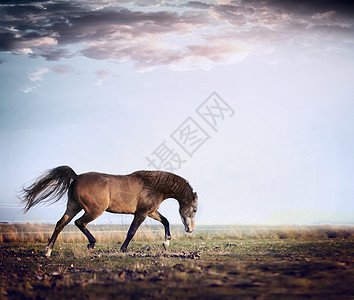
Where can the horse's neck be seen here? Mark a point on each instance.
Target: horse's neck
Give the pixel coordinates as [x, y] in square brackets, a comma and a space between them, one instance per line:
[182, 202]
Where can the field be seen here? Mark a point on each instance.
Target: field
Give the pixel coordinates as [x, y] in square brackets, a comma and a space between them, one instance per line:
[214, 263]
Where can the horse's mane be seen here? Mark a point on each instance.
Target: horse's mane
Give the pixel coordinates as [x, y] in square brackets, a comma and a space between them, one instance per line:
[166, 183]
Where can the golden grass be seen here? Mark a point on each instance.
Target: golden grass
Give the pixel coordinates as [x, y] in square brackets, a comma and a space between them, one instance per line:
[242, 232]
[31, 232]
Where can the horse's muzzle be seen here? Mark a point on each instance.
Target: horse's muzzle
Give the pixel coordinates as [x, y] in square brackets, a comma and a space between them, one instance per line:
[188, 228]
[188, 224]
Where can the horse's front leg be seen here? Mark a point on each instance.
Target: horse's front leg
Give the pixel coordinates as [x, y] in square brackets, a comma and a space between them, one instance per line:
[138, 219]
[158, 217]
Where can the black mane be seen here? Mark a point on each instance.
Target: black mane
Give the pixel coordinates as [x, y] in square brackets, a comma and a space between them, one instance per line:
[166, 183]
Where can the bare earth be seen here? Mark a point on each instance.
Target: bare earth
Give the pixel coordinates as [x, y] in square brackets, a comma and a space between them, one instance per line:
[201, 267]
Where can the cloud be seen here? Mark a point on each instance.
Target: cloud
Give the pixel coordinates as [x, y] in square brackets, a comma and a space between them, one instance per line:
[309, 7]
[61, 69]
[102, 75]
[38, 75]
[31, 89]
[321, 16]
[198, 5]
[158, 33]
[224, 2]
[29, 46]
[216, 52]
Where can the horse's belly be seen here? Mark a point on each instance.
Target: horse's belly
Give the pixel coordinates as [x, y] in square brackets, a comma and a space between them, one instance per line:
[122, 204]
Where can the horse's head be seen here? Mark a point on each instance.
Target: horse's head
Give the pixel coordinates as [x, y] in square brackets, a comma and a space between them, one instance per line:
[188, 212]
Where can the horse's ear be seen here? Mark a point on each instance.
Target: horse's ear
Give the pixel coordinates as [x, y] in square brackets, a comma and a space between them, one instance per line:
[195, 196]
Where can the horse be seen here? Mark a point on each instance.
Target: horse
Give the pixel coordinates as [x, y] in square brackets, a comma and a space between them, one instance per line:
[139, 193]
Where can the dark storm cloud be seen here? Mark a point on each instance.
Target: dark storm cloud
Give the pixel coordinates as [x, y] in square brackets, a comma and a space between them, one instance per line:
[152, 37]
[6, 41]
[314, 6]
[49, 28]
[289, 19]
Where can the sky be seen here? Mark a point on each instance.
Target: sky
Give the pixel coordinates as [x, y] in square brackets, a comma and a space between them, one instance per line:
[251, 101]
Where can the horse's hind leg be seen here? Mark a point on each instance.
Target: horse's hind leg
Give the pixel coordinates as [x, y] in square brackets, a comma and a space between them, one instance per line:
[158, 217]
[71, 211]
[81, 224]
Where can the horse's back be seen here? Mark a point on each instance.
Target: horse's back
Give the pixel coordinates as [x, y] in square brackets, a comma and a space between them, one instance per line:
[89, 182]
[114, 193]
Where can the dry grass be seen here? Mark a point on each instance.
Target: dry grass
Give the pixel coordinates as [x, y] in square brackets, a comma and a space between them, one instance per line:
[243, 232]
[30, 232]
[116, 233]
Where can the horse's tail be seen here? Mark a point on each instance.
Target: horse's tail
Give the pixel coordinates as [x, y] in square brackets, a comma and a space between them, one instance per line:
[51, 186]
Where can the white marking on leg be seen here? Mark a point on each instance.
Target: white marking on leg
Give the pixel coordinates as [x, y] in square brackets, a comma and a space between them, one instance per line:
[48, 252]
[166, 244]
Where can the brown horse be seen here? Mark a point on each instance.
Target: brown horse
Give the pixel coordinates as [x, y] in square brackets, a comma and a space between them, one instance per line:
[139, 193]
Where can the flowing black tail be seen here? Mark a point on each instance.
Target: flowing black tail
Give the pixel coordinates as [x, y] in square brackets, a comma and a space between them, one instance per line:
[49, 187]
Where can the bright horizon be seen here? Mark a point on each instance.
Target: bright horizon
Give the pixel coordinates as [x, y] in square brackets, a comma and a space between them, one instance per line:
[105, 87]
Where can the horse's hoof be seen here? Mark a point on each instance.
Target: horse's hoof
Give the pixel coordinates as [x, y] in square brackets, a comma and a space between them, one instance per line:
[48, 252]
[166, 244]
[90, 247]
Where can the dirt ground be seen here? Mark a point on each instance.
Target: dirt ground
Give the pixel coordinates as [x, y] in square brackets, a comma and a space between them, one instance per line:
[197, 268]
